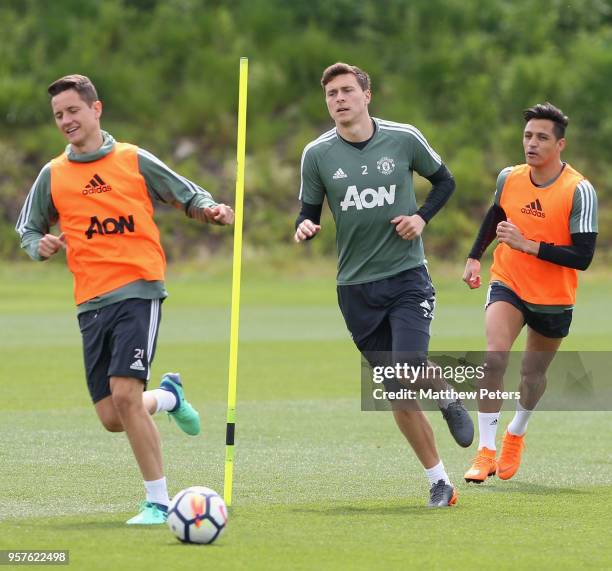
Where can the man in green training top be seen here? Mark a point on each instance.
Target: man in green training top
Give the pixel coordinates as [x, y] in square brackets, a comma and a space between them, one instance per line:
[101, 193]
[364, 168]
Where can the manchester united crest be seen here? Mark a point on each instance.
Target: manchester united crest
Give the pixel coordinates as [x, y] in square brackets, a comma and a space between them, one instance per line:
[385, 165]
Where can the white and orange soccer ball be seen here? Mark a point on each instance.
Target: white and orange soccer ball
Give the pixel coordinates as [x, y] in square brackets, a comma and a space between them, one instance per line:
[197, 515]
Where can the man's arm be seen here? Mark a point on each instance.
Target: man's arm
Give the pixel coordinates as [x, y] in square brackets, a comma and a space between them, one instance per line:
[411, 226]
[308, 222]
[486, 233]
[577, 256]
[425, 161]
[582, 226]
[164, 185]
[443, 185]
[495, 215]
[36, 218]
[312, 194]
[583, 229]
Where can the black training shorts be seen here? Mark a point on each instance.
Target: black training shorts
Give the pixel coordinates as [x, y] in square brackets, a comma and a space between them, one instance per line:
[552, 325]
[389, 319]
[119, 341]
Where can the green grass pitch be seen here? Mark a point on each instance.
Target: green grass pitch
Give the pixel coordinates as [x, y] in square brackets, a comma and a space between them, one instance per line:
[318, 483]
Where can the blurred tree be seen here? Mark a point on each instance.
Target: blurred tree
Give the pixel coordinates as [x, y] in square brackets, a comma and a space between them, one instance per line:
[166, 70]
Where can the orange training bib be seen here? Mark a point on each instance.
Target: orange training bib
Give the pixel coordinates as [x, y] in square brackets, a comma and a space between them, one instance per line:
[106, 215]
[543, 215]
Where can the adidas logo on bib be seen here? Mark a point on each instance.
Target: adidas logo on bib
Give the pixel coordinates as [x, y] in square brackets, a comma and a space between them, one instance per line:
[96, 185]
[534, 208]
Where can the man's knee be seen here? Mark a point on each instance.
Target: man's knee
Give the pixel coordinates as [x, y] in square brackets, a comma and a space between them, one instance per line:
[534, 366]
[126, 393]
[112, 425]
[122, 400]
[533, 376]
[496, 362]
[108, 416]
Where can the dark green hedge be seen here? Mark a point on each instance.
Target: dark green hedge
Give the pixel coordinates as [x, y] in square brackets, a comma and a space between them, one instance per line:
[461, 70]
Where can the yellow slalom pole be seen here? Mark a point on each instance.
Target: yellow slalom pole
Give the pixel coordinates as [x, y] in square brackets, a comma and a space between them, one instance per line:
[236, 270]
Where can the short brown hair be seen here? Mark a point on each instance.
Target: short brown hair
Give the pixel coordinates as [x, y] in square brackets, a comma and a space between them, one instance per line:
[80, 83]
[340, 68]
[548, 111]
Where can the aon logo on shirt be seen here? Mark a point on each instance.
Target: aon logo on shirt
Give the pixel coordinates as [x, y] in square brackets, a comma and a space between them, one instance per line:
[368, 197]
[110, 226]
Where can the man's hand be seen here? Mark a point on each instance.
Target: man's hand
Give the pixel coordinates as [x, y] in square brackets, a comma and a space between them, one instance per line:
[221, 214]
[408, 227]
[50, 244]
[471, 274]
[508, 233]
[306, 229]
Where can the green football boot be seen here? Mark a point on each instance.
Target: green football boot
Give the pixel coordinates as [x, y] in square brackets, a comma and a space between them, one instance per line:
[150, 514]
[185, 416]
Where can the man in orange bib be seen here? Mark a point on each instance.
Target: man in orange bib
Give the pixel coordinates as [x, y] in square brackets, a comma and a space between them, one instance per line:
[101, 193]
[545, 219]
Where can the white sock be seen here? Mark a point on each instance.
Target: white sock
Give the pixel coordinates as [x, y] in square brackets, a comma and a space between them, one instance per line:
[487, 428]
[166, 400]
[437, 473]
[518, 425]
[157, 492]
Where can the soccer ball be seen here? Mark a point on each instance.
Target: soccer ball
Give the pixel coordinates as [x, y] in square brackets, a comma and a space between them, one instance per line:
[197, 515]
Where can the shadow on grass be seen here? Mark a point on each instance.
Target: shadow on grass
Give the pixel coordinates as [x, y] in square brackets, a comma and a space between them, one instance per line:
[87, 525]
[423, 510]
[94, 526]
[202, 546]
[517, 487]
[351, 510]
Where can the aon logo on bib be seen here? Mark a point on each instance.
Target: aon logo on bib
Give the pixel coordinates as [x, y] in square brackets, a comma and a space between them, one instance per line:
[368, 197]
[110, 226]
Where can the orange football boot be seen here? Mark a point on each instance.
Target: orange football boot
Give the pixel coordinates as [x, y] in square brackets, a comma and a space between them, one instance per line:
[510, 455]
[484, 466]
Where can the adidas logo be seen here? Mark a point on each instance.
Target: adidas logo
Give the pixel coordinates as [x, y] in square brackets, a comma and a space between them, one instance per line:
[137, 365]
[96, 185]
[493, 422]
[339, 174]
[534, 208]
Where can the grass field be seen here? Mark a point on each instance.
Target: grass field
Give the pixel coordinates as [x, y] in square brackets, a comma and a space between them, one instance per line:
[318, 483]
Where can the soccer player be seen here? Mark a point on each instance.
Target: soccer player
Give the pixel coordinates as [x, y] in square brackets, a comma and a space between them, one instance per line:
[544, 216]
[101, 193]
[364, 167]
